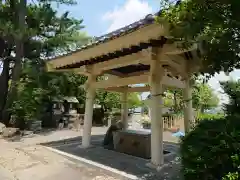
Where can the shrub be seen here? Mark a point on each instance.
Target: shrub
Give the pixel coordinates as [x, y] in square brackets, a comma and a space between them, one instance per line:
[207, 151]
[204, 116]
[232, 89]
[234, 175]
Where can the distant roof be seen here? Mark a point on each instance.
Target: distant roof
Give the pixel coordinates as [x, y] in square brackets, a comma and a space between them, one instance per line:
[68, 99]
[138, 110]
[149, 96]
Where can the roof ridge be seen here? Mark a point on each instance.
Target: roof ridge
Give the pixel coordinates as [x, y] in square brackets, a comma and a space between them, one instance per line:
[149, 19]
[131, 24]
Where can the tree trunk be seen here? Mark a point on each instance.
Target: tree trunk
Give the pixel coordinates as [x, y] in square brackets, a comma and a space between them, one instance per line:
[5, 75]
[19, 38]
[175, 101]
[4, 78]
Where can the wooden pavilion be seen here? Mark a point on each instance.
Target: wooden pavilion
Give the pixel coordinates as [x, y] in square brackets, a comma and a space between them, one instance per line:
[140, 53]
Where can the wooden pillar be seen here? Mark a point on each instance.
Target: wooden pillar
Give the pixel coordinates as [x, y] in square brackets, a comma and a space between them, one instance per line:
[188, 109]
[87, 127]
[156, 90]
[124, 109]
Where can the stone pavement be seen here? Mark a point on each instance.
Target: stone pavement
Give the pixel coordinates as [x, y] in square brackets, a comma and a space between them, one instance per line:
[57, 135]
[23, 159]
[38, 163]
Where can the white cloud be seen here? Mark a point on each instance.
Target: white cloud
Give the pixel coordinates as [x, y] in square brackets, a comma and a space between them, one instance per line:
[214, 83]
[130, 12]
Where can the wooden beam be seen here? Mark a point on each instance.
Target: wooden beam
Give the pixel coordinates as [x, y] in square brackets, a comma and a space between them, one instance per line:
[138, 73]
[136, 58]
[118, 82]
[142, 57]
[143, 34]
[115, 73]
[177, 64]
[135, 89]
[174, 50]
[129, 89]
[82, 70]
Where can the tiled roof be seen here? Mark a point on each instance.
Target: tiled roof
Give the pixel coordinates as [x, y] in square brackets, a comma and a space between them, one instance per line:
[69, 99]
[149, 19]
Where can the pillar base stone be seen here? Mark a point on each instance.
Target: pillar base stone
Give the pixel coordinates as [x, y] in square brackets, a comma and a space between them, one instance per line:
[157, 167]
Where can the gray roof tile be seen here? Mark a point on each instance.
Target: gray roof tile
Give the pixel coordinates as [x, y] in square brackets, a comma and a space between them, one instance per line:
[149, 19]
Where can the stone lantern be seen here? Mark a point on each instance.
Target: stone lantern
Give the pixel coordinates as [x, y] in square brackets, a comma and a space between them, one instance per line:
[65, 108]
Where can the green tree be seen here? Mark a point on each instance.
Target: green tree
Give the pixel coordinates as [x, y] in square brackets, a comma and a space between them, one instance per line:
[108, 100]
[214, 24]
[211, 150]
[19, 7]
[45, 34]
[37, 89]
[232, 89]
[204, 97]
[134, 100]
[173, 99]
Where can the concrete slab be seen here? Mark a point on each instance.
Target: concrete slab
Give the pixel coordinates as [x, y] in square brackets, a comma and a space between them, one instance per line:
[122, 165]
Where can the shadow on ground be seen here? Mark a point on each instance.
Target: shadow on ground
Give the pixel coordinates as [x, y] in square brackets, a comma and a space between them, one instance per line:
[122, 162]
[29, 134]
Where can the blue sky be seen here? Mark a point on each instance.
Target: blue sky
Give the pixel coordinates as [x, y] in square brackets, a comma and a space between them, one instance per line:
[100, 17]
